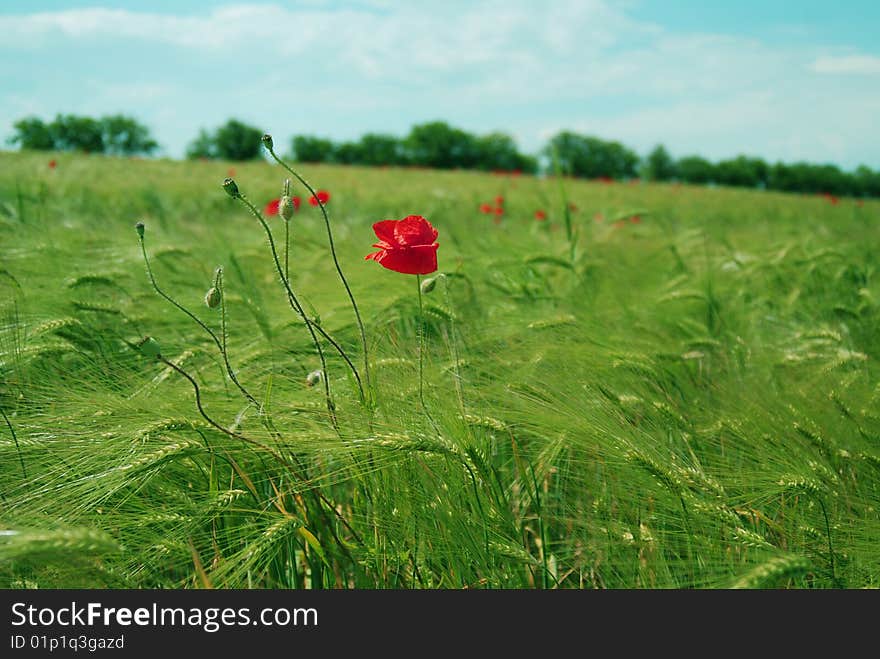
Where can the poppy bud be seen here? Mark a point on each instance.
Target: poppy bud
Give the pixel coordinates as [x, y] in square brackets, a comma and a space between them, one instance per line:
[150, 347]
[428, 285]
[285, 207]
[231, 188]
[139, 227]
[213, 296]
[267, 141]
[314, 377]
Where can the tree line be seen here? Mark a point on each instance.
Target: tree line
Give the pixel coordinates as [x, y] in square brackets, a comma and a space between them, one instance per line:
[438, 145]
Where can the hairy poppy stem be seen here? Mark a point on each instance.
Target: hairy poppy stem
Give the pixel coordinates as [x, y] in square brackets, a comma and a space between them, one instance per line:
[297, 307]
[421, 333]
[221, 346]
[354, 306]
[295, 304]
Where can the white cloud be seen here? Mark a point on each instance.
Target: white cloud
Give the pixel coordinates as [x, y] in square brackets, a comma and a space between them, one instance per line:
[847, 64]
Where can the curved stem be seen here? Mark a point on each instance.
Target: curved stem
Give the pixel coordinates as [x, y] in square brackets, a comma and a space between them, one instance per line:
[336, 263]
[221, 346]
[15, 439]
[297, 307]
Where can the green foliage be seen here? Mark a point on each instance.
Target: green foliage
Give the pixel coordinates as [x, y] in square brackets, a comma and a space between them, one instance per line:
[695, 169]
[439, 145]
[32, 133]
[590, 157]
[312, 149]
[688, 402]
[114, 135]
[659, 165]
[234, 140]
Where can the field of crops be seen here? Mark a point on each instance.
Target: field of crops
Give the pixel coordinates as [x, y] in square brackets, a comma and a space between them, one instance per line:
[605, 384]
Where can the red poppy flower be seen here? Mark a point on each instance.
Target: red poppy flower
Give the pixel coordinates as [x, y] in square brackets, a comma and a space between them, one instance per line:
[485, 208]
[635, 219]
[406, 245]
[53, 164]
[296, 202]
[499, 200]
[272, 207]
[499, 210]
[321, 197]
[230, 172]
[540, 216]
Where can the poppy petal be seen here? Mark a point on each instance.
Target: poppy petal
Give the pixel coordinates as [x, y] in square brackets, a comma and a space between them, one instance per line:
[414, 230]
[385, 231]
[419, 260]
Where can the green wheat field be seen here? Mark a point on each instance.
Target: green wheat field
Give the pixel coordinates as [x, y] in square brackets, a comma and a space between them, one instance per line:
[688, 400]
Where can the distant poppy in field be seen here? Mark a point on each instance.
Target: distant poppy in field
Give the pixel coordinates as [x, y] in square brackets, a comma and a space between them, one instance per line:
[499, 200]
[230, 172]
[321, 197]
[635, 219]
[53, 164]
[572, 208]
[407, 246]
[605, 179]
[833, 200]
[540, 215]
[619, 223]
[598, 217]
[486, 208]
[499, 211]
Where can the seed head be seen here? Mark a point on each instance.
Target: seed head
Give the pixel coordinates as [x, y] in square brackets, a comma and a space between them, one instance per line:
[139, 227]
[267, 141]
[231, 188]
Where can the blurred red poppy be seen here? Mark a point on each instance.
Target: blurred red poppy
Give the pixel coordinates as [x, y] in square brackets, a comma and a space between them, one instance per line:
[598, 217]
[53, 164]
[540, 215]
[230, 172]
[485, 208]
[321, 197]
[406, 246]
[635, 219]
[271, 208]
[573, 208]
[499, 210]
[499, 200]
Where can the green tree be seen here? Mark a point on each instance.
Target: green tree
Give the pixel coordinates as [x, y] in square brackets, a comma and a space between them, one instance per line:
[307, 148]
[659, 165]
[74, 133]
[378, 149]
[32, 133]
[694, 169]
[348, 153]
[437, 144]
[235, 140]
[742, 171]
[497, 151]
[202, 147]
[125, 136]
[591, 157]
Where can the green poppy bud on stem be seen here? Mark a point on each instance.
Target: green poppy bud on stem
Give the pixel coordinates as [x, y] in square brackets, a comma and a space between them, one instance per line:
[139, 227]
[231, 188]
[285, 207]
[429, 284]
[267, 141]
[150, 347]
[212, 297]
[314, 377]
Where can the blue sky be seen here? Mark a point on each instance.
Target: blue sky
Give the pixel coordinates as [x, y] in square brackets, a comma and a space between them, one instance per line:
[782, 80]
